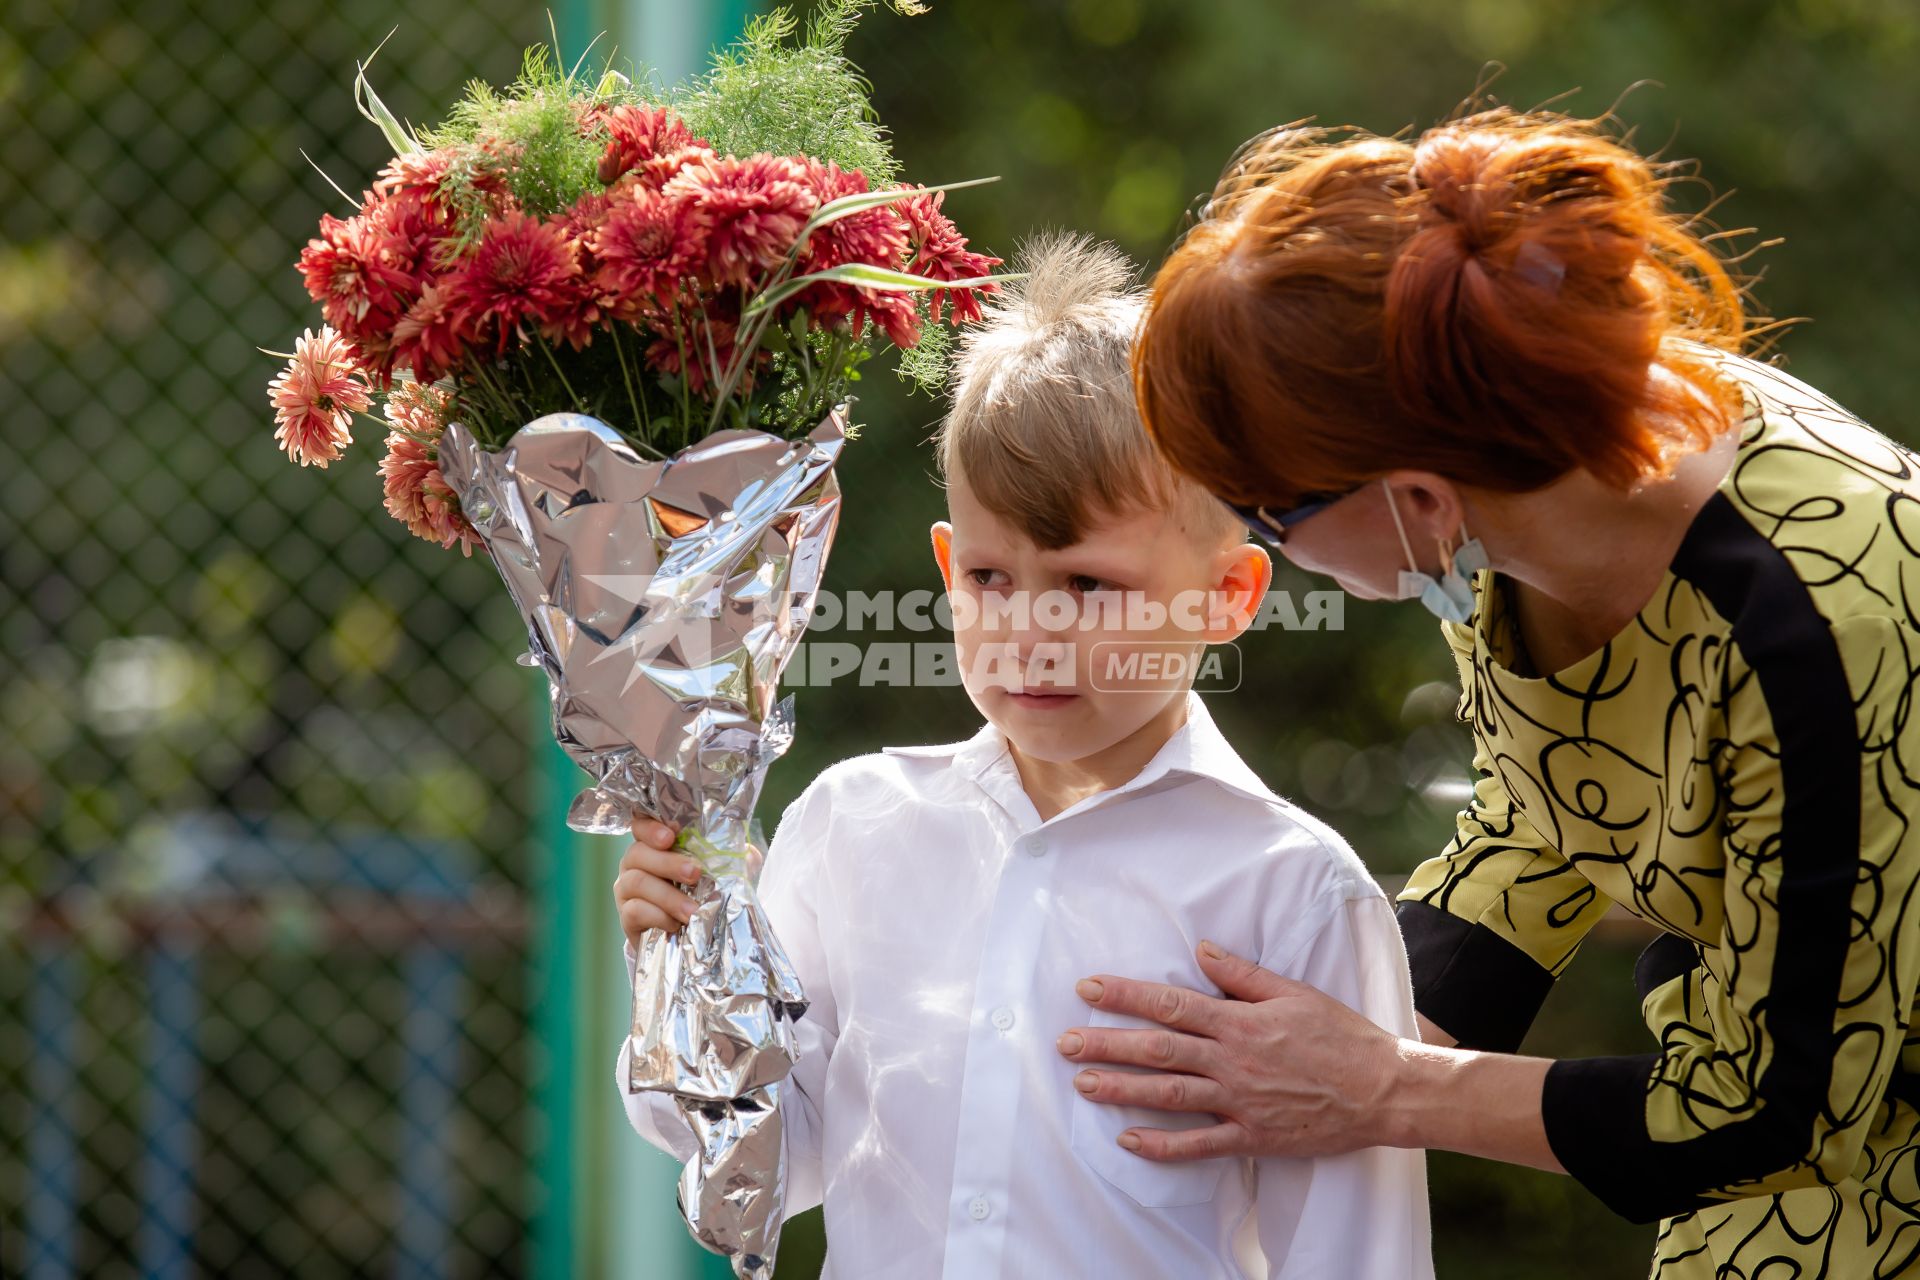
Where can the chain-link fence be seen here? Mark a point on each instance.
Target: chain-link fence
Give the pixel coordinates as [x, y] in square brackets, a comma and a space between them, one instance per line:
[262, 826]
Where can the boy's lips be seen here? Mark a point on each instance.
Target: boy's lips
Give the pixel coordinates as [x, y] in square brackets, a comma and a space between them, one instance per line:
[1041, 698]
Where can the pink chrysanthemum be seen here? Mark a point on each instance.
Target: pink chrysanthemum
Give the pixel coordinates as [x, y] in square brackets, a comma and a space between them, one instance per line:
[417, 171]
[646, 246]
[662, 169]
[315, 398]
[750, 211]
[483, 166]
[416, 493]
[445, 524]
[586, 215]
[419, 407]
[637, 135]
[403, 476]
[940, 252]
[523, 270]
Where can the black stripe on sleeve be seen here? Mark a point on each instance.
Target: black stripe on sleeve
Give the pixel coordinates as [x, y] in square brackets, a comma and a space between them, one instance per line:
[1667, 957]
[1596, 1109]
[1469, 981]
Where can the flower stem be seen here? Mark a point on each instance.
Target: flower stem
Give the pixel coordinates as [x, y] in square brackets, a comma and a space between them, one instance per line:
[686, 394]
[503, 402]
[636, 400]
[579, 405]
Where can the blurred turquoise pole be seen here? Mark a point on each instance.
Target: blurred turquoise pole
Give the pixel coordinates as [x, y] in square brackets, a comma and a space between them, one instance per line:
[604, 1199]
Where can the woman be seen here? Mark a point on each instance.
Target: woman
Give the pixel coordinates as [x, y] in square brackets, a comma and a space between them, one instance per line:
[1489, 369]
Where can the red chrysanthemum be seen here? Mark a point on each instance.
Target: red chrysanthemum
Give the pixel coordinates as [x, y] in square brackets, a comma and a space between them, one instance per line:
[750, 211]
[357, 271]
[523, 271]
[637, 135]
[428, 337]
[940, 252]
[876, 236]
[896, 314]
[642, 251]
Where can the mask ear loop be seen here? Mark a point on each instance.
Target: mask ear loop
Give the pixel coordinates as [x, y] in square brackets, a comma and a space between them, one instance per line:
[1440, 544]
[1393, 509]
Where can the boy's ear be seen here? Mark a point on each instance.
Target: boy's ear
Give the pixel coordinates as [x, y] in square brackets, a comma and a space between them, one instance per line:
[1242, 574]
[943, 550]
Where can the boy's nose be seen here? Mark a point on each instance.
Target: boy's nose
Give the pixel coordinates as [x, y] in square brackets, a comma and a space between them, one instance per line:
[1046, 663]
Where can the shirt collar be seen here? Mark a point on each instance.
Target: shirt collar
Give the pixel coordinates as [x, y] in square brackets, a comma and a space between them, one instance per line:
[1197, 749]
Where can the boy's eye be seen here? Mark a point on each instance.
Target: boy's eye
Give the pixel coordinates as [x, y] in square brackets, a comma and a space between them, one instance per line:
[1087, 585]
[983, 577]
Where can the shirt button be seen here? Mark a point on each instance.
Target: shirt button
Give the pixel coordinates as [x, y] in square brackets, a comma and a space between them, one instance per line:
[1003, 1018]
[1037, 846]
[979, 1209]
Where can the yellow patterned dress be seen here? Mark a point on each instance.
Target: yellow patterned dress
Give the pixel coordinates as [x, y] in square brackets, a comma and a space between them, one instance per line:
[1740, 767]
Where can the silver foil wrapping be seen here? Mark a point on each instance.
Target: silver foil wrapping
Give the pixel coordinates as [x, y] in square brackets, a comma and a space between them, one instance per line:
[663, 599]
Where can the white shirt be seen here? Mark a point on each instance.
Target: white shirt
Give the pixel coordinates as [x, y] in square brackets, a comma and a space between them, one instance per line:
[939, 926]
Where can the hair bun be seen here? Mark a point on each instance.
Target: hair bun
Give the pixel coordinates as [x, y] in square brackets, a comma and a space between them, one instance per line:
[1468, 182]
[1486, 301]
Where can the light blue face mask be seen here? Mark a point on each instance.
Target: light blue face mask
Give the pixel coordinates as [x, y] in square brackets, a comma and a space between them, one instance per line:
[1449, 597]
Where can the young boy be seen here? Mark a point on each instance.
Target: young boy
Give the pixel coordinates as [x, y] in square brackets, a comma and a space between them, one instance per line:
[940, 902]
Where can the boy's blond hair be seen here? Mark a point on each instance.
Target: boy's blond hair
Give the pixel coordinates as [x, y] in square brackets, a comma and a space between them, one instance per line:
[1044, 428]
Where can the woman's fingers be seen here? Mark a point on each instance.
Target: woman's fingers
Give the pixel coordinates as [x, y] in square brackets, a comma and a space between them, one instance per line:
[1174, 1007]
[1162, 1092]
[1224, 1139]
[1155, 1048]
[1298, 1073]
[1240, 978]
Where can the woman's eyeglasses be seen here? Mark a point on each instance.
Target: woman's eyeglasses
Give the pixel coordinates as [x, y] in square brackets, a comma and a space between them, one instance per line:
[1272, 526]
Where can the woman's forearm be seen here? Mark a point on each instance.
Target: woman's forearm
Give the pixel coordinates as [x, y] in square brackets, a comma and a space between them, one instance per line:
[1479, 1104]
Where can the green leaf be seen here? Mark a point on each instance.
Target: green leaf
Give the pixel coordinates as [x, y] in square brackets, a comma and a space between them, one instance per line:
[398, 137]
[834, 210]
[867, 276]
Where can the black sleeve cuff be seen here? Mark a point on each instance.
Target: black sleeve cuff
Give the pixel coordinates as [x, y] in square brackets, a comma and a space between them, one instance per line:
[1595, 1111]
[1469, 981]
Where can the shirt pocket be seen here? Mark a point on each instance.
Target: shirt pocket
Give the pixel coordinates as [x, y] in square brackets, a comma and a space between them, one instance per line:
[1097, 1127]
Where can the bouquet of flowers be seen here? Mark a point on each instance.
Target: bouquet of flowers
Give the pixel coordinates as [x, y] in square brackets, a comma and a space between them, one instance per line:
[611, 333]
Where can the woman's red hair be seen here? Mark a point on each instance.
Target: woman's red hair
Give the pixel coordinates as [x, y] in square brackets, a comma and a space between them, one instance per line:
[1484, 302]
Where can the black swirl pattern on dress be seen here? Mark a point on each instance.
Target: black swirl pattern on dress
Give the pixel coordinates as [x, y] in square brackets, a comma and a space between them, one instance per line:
[1741, 767]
